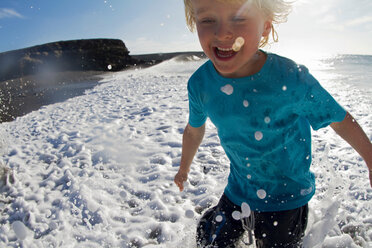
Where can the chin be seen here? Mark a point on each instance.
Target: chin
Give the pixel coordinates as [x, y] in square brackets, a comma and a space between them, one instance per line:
[226, 72]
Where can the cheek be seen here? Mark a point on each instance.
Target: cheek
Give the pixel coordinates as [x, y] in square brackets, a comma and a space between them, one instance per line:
[204, 37]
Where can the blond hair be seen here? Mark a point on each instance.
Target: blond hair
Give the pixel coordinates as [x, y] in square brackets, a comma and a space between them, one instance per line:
[275, 10]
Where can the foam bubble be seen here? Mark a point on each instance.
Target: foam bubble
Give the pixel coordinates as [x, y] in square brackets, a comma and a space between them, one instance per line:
[306, 191]
[261, 194]
[189, 214]
[227, 89]
[219, 218]
[258, 135]
[267, 120]
[239, 42]
[185, 184]
[246, 210]
[236, 215]
[20, 229]
[246, 103]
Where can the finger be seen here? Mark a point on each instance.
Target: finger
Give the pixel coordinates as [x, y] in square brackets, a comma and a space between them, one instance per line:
[179, 184]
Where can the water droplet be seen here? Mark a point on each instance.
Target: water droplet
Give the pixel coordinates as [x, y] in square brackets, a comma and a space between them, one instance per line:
[239, 42]
[267, 120]
[20, 229]
[246, 103]
[261, 194]
[306, 191]
[185, 184]
[227, 89]
[258, 135]
[249, 177]
[284, 88]
[189, 213]
[109, 67]
[246, 210]
[236, 215]
[123, 194]
[219, 218]
[248, 165]
[275, 223]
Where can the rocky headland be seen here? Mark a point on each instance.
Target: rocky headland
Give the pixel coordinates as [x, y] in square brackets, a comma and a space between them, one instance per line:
[74, 55]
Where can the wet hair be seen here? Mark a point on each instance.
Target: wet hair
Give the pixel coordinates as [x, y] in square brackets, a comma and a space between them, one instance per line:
[275, 10]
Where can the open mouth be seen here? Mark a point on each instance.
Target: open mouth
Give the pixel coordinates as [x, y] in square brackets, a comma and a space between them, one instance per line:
[224, 53]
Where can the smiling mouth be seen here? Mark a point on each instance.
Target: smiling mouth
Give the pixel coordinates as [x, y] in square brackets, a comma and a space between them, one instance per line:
[224, 53]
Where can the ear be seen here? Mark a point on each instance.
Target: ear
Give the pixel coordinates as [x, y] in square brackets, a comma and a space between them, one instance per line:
[267, 28]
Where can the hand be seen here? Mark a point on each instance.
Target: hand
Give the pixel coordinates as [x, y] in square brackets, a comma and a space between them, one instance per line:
[180, 178]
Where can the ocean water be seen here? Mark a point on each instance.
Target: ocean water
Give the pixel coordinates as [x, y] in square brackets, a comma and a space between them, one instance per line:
[353, 70]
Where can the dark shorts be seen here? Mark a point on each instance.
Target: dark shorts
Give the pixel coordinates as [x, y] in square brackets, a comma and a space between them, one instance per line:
[218, 228]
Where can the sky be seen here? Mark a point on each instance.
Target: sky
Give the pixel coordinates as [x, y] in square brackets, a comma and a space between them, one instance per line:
[152, 26]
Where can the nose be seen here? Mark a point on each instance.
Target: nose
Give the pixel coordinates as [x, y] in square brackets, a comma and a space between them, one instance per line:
[223, 32]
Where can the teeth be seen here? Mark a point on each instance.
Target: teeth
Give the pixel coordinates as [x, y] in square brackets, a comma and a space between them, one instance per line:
[224, 49]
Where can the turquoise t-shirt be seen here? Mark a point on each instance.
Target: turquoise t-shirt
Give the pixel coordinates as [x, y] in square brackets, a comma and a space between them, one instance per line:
[263, 122]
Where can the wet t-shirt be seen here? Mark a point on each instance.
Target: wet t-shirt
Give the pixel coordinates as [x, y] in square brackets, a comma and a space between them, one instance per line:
[263, 122]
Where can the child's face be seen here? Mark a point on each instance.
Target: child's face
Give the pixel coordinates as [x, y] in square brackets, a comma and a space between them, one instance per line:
[219, 24]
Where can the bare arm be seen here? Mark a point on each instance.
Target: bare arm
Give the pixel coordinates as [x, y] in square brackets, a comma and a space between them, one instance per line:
[192, 138]
[351, 132]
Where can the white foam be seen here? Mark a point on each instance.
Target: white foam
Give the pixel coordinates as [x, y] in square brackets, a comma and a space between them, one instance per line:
[219, 218]
[20, 229]
[228, 89]
[258, 135]
[236, 215]
[189, 214]
[238, 44]
[261, 194]
[246, 210]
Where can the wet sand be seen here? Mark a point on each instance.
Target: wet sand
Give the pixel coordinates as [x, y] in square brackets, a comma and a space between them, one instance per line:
[22, 95]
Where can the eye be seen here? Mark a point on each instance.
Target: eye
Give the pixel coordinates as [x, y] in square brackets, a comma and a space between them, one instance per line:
[206, 21]
[239, 19]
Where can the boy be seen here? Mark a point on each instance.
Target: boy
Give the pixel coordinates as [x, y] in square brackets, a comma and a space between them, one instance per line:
[263, 106]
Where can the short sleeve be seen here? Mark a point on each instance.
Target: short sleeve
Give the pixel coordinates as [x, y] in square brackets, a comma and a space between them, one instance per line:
[197, 116]
[318, 106]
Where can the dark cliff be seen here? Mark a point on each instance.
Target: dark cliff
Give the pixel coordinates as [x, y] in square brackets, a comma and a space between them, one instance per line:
[74, 55]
